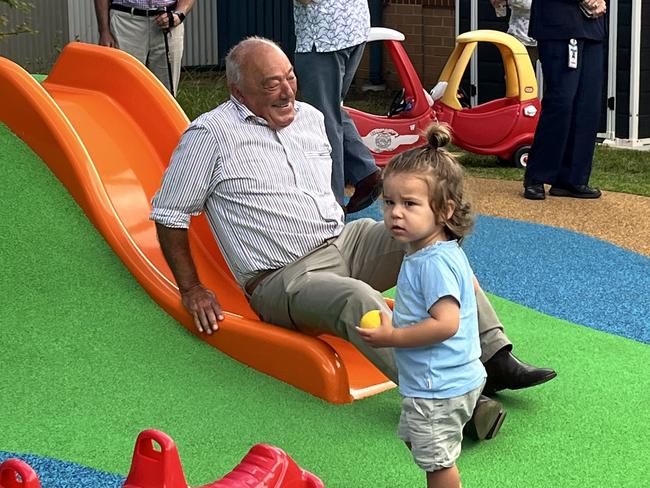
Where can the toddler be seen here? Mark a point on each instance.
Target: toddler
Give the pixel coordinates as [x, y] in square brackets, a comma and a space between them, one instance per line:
[434, 328]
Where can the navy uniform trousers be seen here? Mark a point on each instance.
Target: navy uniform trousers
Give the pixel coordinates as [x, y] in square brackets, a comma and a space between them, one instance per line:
[563, 148]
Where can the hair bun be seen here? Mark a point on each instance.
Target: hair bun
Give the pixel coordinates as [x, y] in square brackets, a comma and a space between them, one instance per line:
[438, 135]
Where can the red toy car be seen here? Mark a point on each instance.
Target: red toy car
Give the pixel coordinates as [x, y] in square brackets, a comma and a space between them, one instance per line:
[503, 127]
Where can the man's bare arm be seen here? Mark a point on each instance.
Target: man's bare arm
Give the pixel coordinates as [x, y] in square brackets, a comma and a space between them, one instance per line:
[198, 300]
[103, 23]
[184, 6]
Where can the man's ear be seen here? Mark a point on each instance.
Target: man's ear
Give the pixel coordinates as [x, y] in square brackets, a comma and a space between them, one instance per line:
[236, 92]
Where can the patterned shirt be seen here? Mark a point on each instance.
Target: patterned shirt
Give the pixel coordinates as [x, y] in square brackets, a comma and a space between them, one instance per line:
[266, 193]
[330, 25]
[144, 4]
[519, 19]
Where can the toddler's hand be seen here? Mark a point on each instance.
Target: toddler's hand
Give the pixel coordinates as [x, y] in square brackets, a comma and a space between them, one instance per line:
[382, 336]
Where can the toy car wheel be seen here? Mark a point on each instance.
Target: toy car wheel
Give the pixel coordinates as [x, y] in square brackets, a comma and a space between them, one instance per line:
[520, 157]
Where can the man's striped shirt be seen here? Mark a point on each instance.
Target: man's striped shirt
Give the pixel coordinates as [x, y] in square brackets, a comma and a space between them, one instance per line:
[266, 193]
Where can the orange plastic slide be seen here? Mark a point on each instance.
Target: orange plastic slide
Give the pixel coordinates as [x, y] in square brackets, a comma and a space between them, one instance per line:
[106, 127]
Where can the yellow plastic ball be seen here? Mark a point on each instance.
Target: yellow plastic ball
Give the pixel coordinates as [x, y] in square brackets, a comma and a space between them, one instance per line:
[371, 320]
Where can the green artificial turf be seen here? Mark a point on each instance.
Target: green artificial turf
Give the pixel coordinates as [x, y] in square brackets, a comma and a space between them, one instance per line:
[88, 360]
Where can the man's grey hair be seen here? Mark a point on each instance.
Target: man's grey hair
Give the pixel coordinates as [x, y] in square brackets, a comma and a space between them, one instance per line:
[238, 53]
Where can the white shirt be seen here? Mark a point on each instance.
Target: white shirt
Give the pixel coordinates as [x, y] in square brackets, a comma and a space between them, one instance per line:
[330, 25]
[266, 193]
[519, 20]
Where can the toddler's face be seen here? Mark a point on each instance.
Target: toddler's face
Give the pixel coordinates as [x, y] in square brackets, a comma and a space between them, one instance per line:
[407, 212]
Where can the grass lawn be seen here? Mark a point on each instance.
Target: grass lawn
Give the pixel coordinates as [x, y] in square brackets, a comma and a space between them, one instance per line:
[614, 169]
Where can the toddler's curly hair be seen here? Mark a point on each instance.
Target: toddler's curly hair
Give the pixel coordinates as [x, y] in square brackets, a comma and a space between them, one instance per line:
[444, 176]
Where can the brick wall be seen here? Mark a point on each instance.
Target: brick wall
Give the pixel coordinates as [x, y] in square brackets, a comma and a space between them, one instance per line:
[429, 29]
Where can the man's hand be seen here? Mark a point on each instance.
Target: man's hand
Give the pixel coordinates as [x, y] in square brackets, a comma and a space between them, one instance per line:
[107, 39]
[163, 20]
[204, 307]
[596, 8]
[382, 336]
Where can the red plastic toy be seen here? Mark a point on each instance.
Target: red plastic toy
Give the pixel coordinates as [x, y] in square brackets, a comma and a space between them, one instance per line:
[409, 114]
[156, 464]
[263, 467]
[15, 473]
[504, 127]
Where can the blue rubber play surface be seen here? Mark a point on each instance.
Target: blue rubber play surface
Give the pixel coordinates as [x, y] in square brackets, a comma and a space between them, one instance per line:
[60, 474]
[561, 273]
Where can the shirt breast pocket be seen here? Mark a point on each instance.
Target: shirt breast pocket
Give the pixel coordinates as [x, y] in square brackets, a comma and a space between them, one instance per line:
[319, 173]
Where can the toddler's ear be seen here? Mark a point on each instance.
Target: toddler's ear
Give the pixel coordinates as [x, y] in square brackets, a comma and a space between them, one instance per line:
[451, 207]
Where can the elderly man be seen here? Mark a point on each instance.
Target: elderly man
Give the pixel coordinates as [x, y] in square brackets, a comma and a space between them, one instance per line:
[258, 166]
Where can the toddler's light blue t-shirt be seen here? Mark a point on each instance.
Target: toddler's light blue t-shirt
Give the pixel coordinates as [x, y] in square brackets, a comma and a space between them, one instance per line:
[452, 367]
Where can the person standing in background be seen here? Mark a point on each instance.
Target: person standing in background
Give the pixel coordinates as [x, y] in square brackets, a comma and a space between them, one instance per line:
[330, 38]
[570, 37]
[518, 24]
[150, 30]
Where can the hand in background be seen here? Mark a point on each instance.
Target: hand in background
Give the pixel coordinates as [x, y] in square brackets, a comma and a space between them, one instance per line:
[594, 8]
[107, 39]
[163, 20]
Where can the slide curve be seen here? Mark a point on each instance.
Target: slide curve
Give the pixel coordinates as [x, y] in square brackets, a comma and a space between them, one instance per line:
[106, 127]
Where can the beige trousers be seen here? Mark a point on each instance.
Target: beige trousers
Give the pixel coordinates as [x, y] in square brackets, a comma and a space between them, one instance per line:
[333, 286]
[143, 39]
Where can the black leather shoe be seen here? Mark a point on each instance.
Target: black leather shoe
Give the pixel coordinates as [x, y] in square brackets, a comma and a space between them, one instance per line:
[366, 192]
[534, 192]
[486, 420]
[505, 371]
[574, 191]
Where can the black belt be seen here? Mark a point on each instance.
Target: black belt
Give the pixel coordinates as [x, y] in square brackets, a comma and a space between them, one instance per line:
[256, 280]
[142, 13]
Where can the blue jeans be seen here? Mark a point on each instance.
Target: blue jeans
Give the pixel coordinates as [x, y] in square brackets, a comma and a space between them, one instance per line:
[324, 80]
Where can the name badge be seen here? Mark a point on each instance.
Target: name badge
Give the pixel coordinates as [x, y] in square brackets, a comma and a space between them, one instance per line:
[573, 54]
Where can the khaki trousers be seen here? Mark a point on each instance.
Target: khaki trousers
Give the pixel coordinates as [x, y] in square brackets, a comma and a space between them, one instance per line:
[333, 286]
[143, 39]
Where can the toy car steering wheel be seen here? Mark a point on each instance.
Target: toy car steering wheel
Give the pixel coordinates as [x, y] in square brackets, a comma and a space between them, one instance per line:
[398, 104]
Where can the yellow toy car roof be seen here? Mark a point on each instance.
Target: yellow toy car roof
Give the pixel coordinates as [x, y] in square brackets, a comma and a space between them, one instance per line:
[519, 73]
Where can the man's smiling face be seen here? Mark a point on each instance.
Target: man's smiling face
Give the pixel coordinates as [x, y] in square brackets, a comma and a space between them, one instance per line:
[268, 86]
